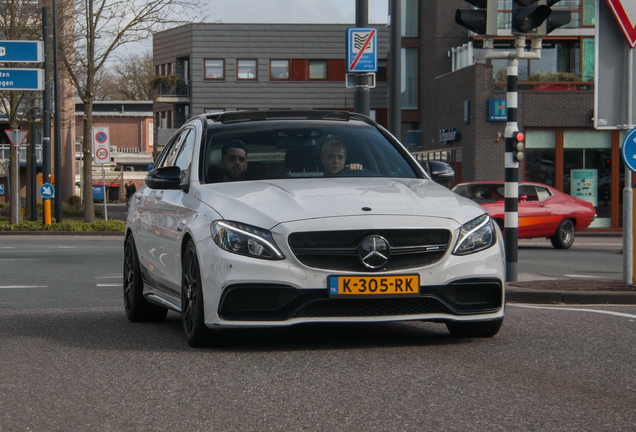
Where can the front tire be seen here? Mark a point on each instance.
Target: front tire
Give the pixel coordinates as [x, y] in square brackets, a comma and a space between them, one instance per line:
[138, 309]
[564, 235]
[197, 334]
[474, 329]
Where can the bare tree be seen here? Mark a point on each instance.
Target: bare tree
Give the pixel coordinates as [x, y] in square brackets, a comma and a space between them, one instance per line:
[133, 77]
[19, 20]
[102, 26]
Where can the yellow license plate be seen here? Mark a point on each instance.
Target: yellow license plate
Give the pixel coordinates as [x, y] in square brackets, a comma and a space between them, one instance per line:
[394, 286]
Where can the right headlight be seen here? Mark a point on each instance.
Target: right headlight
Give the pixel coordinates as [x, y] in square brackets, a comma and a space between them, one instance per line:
[245, 240]
[475, 236]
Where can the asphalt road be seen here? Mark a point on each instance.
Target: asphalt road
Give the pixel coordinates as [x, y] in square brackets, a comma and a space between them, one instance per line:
[70, 360]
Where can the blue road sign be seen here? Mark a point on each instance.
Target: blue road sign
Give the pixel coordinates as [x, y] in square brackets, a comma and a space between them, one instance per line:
[21, 79]
[629, 150]
[47, 191]
[362, 49]
[1, 189]
[21, 51]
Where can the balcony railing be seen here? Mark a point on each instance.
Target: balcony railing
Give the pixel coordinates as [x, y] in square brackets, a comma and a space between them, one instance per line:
[181, 89]
[5, 153]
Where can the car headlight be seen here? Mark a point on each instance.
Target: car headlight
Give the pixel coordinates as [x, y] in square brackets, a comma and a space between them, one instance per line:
[245, 240]
[475, 236]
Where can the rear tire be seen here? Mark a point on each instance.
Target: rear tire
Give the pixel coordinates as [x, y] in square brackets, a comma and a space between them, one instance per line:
[564, 235]
[474, 329]
[197, 334]
[138, 309]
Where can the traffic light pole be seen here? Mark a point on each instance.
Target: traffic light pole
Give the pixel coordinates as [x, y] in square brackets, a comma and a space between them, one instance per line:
[511, 175]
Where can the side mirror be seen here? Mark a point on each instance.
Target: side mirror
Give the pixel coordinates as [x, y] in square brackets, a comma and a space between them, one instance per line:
[440, 172]
[168, 177]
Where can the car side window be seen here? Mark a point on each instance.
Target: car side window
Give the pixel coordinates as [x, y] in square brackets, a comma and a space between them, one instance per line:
[530, 192]
[183, 157]
[543, 193]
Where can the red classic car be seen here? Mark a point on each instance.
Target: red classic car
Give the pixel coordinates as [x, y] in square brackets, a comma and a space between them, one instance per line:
[543, 210]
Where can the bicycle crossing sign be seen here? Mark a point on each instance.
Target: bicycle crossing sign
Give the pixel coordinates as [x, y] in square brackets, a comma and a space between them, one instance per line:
[362, 49]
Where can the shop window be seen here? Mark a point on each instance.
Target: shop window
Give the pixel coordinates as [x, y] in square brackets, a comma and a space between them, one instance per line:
[318, 69]
[587, 173]
[246, 69]
[409, 78]
[214, 69]
[540, 156]
[279, 70]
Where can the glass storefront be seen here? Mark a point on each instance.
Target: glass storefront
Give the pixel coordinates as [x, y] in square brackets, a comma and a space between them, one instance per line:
[587, 171]
[578, 162]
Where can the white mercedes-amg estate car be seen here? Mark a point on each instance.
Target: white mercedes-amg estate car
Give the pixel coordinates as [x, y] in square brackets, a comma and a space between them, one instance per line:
[269, 218]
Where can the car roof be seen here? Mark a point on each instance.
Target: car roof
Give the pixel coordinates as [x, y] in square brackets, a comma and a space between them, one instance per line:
[264, 115]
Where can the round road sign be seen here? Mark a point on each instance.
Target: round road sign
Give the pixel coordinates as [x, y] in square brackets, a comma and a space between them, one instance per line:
[101, 137]
[628, 151]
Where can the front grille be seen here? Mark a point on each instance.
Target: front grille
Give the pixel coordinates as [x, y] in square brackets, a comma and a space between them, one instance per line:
[265, 302]
[338, 250]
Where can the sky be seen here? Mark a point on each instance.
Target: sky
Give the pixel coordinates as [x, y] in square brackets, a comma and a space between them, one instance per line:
[293, 11]
[288, 11]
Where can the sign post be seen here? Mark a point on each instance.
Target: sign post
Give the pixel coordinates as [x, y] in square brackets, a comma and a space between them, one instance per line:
[17, 137]
[101, 155]
[362, 57]
[614, 98]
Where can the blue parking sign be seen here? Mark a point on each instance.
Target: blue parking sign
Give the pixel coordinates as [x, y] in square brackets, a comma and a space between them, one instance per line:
[362, 49]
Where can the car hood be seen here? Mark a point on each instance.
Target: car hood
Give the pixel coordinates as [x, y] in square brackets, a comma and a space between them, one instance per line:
[268, 203]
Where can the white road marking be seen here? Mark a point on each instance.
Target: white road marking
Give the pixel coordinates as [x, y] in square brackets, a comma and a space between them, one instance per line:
[581, 276]
[22, 286]
[620, 314]
[109, 285]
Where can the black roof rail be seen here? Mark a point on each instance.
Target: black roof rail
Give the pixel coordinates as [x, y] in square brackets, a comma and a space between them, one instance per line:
[245, 116]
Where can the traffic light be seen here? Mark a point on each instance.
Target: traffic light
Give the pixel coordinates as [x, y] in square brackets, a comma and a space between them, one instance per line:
[557, 18]
[527, 15]
[517, 146]
[482, 20]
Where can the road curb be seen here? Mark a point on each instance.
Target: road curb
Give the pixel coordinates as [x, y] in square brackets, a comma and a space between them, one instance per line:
[63, 233]
[537, 296]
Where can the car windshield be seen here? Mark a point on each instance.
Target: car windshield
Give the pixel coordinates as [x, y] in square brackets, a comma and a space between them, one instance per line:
[291, 149]
[481, 192]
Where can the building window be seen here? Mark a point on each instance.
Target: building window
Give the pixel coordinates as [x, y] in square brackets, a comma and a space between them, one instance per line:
[541, 156]
[560, 61]
[587, 174]
[409, 18]
[279, 70]
[214, 69]
[381, 75]
[318, 69]
[409, 78]
[246, 69]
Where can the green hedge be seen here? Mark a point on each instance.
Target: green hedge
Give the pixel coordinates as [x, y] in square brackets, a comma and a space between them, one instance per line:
[65, 225]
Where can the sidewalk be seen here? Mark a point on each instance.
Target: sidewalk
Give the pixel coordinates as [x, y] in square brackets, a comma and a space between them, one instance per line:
[540, 289]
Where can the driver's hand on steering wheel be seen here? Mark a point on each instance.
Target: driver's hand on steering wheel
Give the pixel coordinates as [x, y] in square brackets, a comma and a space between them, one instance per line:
[354, 166]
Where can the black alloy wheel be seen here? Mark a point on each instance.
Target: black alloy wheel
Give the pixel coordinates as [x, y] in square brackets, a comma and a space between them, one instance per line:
[197, 334]
[138, 309]
[564, 235]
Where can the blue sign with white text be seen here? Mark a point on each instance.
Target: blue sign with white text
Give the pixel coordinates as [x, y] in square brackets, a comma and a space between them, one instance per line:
[362, 49]
[497, 110]
[1, 189]
[21, 51]
[21, 79]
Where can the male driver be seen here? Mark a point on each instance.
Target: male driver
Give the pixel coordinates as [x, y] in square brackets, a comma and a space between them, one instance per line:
[334, 155]
[234, 160]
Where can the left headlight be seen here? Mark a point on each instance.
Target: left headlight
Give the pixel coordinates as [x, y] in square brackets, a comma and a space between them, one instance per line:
[475, 236]
[245, 240]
